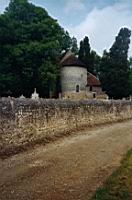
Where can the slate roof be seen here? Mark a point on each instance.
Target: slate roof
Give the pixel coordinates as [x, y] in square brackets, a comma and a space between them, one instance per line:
[93, 80]
[71, 60]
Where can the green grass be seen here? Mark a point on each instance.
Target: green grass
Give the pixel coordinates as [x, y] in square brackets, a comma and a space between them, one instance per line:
[119, 184]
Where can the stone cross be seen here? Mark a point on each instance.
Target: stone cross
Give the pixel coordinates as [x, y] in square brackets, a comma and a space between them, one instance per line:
[35, 95]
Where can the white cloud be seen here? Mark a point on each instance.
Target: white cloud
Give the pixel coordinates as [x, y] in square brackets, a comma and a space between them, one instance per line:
[74, 5]
[102, 25]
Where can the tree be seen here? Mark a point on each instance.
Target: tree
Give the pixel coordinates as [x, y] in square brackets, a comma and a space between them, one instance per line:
[114, 66]
[95, 61]
[84, 52]
[30, 43]
[66, 41]
[74, 46]
[89, 57]
[104, 71]
[130, 75]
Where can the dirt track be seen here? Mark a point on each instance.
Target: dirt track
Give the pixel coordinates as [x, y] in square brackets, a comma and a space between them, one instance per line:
[70, 169]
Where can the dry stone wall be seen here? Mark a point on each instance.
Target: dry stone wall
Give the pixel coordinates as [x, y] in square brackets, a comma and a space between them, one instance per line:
[26, 122]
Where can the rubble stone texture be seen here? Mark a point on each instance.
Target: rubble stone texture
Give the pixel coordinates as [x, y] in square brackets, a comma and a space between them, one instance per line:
[26, 121]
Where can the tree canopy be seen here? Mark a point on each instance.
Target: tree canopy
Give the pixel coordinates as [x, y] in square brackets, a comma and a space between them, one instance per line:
[88, 56]
[84, 52]
[30, 43]
[114, 66]
[74, 46]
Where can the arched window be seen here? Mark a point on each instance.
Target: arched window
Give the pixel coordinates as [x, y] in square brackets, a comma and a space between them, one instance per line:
[77, 88]
[90, 89]
[94, 95]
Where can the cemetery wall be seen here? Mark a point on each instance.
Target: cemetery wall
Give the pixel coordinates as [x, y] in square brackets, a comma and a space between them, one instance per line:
[26, 122]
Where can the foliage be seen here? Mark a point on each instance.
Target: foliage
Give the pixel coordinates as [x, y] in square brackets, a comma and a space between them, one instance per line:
[89, 57]
[95, 63]
[30, 44]
[114, 72]
[84, 52]
[74, 46]
[119, 185]
[130, 75]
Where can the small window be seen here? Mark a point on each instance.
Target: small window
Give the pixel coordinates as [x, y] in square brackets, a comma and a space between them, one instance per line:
[90, 89]
[94, 95]
[77, 88]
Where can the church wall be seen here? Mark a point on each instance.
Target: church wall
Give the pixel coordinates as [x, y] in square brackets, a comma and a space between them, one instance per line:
[98, 90]
[70, 78]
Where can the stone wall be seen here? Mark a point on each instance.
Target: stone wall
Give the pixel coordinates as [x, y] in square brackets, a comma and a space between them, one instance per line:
[26, 122]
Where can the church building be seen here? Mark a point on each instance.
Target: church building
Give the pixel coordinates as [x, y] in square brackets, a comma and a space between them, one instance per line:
[76, 81]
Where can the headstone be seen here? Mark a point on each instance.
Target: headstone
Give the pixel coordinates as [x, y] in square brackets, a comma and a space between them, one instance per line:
[35, 95]
[22, 97]
[60, 96]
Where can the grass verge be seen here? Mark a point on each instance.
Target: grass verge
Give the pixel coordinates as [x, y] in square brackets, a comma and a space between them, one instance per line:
[119, 185]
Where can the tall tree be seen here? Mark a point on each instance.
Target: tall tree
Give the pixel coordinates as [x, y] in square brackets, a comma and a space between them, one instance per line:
[30, 42]
[95, 61]
[74, 46]
[115, 68]
[130, 75]
[88, 56]
[81, 51]
[84, 52]
[104, 70]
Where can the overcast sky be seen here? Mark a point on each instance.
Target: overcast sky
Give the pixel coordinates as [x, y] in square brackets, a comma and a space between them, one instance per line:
[101, 20]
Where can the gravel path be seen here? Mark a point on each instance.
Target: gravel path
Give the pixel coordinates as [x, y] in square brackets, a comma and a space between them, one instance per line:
[70, 169]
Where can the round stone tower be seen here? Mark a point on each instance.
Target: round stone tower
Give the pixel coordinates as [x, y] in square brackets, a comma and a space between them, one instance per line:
[73, 77]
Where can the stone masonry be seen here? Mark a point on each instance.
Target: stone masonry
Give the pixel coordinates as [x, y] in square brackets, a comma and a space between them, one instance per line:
[26, 121]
